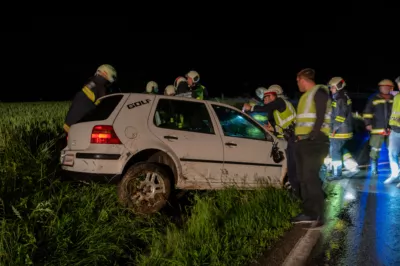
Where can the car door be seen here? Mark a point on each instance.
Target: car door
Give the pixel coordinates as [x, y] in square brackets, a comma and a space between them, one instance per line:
[247, 149]
[186, 127]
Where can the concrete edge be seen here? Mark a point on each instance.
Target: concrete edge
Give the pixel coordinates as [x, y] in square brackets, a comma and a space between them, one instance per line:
[301, 252]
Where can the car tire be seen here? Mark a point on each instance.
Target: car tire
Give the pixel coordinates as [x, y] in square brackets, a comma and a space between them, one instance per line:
[145, 188]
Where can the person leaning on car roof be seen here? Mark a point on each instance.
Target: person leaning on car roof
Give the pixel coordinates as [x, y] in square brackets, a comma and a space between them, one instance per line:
[190, 87]
[86, 99]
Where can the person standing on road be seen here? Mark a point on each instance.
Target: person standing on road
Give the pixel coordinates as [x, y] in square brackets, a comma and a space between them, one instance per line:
[376, 117]
[341, 130]
[394, 139]
[87, 98]
[312, 145]
[281, 118]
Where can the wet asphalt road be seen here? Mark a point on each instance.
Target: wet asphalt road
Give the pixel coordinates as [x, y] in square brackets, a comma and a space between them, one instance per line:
[363, 225]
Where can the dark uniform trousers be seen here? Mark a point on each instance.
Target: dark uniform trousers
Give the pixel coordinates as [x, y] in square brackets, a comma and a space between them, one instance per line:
[310, 155]
[291, 162]
[376, 141]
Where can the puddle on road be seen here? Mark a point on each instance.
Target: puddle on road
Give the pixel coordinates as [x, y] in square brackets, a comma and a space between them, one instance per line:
[366, 202]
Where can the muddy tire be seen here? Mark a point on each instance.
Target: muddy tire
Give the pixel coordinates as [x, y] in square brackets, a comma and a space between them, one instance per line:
[145, 188]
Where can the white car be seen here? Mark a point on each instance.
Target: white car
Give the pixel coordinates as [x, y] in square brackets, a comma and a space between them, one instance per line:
[151, 144]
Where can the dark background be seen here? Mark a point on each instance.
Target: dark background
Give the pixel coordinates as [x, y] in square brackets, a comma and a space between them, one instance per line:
[53, 58]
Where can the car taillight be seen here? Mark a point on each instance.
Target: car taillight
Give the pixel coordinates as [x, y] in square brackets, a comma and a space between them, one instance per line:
[104, 135]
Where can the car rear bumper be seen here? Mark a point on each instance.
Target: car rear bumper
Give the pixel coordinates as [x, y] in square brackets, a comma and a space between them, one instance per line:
[99, 167]
[90, 177]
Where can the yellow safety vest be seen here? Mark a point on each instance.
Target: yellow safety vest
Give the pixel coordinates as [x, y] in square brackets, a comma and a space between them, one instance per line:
[395, 116]
[307, 113]
[284, 119]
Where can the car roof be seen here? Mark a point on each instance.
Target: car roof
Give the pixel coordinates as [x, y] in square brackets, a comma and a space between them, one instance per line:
[172, 97]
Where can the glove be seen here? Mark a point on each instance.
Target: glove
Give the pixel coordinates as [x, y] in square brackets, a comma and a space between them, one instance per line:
[246, 107]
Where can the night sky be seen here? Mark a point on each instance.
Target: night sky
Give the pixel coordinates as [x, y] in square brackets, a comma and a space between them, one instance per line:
[54, 57]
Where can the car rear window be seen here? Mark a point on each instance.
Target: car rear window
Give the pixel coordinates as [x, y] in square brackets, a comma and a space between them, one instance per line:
[103, 110]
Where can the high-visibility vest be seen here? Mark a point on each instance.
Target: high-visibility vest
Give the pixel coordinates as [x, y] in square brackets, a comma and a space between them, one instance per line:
[284, 119]
[199, 91]
[307, 113]
[395, 116]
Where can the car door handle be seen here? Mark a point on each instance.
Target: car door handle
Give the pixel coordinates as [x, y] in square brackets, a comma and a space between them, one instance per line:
[230, 144]
[170, 137]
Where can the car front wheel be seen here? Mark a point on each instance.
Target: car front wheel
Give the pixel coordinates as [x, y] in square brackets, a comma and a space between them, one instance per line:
[145, 188]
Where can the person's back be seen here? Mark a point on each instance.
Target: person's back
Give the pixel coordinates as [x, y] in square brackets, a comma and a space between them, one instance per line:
[86, 99]
[182, 87]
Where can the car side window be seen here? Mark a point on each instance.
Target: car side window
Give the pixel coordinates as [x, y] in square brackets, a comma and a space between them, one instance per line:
[183, 115]
[235, 124]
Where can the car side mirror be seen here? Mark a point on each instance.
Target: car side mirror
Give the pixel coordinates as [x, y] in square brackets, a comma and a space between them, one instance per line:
[276, 154]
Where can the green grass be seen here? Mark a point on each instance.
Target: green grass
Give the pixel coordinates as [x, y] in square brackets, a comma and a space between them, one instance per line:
[44, 221]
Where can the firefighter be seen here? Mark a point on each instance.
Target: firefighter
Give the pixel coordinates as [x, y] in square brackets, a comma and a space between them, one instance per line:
[279, 91]
[199, 91]
[376, 116]
[312, 145]
[259, 117]
[170, 90]
[182, 88]
[86, 99]
[341, 130]
[281, 113]
[260, 93]
[283, 122]
[394, 139]
[151, 87]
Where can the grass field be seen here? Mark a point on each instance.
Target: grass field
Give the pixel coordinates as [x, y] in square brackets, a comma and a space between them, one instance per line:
[44, 221]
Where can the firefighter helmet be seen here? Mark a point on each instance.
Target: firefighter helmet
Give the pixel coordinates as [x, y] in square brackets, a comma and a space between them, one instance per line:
[338, 82]
[260, 92]
[193, 75]
[276, 88]
[108, 72]
[152, 86]
[177, 81]
[386, 82]
[169, 90]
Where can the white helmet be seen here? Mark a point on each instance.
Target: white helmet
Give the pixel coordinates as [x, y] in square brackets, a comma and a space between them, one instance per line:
[107, 71]
[260, 92]
[152, 86]
[193, 75]
[277, 89]
[169, 90]
[177, 81]
[338, 82]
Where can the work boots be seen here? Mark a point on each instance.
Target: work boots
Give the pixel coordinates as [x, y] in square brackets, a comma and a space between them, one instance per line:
[336, 173]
